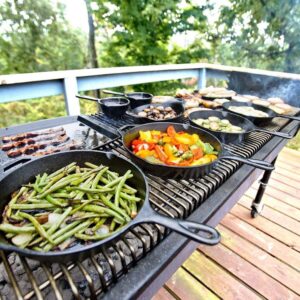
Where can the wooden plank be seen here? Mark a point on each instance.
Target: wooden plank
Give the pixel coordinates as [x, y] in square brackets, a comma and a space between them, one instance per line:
[217, 279]
[262, 240]
[285, 203]
[290, 182]
[281, 186]
[290, 151]
[163, 294]
[270, 228]
[274, 216]
[185, 286]
[282, 165]
[261, 259]
[285, 173]
[249, 274]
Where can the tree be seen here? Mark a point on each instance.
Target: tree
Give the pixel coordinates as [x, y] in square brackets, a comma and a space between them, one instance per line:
[35, 37]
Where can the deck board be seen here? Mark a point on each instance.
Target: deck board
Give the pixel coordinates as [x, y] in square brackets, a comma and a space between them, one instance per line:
[257, 258]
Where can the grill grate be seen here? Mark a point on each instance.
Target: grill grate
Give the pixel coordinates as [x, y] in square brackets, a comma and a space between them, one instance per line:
[27, 279]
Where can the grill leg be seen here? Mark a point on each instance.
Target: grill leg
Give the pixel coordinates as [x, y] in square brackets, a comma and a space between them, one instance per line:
[257, 204]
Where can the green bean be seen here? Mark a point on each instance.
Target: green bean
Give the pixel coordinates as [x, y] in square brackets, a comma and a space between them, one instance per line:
[16, 229]
[99, 224]
[112, 225]
[119, 187]
[44, 178]
[130, 198]
[114, 207]
[82, 205]
[94, 237]
[14, 200]
[115, 175]
[60, 195]
[93, 166]
[31, 206]
[133, 209]
[89, 190]
[98, 176]
[68, 234]
[97, 209]
[55, 202]
[116, 181]
[61, 170]
[37, 226]
[125, 206]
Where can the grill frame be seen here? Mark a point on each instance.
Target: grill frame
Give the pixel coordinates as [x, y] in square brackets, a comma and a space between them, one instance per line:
[171, 250]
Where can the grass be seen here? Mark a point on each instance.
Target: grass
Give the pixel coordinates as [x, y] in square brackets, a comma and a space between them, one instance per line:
[295, 142]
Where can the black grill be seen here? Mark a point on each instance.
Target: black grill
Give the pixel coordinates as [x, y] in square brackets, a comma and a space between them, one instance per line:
[27, 279]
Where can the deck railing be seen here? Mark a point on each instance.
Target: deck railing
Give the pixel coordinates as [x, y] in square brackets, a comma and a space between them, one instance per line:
[34, 85]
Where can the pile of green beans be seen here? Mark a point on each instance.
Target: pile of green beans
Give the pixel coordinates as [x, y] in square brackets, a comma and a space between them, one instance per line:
[70, 206]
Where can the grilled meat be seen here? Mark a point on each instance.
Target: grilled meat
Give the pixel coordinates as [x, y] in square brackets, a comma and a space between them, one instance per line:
[68, 146]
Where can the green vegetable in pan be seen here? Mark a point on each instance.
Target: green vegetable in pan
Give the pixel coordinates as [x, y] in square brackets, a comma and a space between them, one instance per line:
[72, 205]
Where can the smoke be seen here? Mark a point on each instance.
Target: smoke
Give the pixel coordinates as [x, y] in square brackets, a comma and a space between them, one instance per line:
[266, 87]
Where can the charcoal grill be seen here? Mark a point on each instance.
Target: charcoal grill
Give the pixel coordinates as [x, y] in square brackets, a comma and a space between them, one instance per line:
[126, 269]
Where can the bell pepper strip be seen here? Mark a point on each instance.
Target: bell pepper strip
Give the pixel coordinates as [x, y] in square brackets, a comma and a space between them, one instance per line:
[197, 153]
[160, 153]
[171, 131]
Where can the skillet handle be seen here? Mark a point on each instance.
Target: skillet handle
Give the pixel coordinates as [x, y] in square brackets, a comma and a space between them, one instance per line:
[290, 117]
[113, 93]
[197, 232]
[260, 164]
[275, 133]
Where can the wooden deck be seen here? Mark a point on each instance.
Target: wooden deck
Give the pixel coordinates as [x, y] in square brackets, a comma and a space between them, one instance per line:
[257, 258]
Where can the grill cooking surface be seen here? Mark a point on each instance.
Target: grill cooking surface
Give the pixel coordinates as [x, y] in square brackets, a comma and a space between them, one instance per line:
[27, 278]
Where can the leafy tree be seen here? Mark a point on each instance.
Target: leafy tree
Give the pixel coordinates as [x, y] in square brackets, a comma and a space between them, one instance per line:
[35, 37]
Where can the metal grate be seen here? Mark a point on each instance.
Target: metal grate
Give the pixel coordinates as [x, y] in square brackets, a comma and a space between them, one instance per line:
[28, 279]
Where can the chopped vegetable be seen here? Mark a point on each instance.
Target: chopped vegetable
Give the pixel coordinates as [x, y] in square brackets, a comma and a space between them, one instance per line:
[173, 148]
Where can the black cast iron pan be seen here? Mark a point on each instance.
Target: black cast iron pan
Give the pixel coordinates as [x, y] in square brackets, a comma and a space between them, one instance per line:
[237, 120]
[257, 120]
[27, 172]
[184, 172]
[136, 99]
[176, 105]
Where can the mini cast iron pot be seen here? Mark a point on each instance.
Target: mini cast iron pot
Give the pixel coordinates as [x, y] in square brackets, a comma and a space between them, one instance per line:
[136, 99]
[257, 120]
[27, 172]
[176, 105]
[161, 170]
[237, 120]
[113, 107]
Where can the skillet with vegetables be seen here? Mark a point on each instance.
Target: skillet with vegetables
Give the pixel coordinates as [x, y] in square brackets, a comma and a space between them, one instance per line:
[173, 148]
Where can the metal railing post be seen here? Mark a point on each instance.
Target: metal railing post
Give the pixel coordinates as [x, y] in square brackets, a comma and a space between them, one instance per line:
[201, 79]
[71, 101]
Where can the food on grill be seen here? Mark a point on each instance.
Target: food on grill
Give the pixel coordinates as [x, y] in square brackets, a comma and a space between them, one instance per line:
[158, 113]
[27, 135]
[74, 205]
[250, 97]
[248, 111]
[173, 148]
[221, 101]
[240, 98]
[281, 108]
[162, 99]
[261, 102]
[210, 104]
[38, 143]
[275, 100]
[217, 124]
[216, 92]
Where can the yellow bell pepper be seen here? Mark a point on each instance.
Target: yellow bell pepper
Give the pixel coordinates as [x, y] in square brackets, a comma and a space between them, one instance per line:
[146, 153]
[184, 139]
[195, 137]
[146, 136]
[201, 161]
[212, 157]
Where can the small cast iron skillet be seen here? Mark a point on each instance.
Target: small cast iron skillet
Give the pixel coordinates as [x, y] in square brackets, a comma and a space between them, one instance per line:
[136, 99]
[27, 172]
[113, 107]
[176, 105]
[237, 120]
[257, 120]
[162, 170]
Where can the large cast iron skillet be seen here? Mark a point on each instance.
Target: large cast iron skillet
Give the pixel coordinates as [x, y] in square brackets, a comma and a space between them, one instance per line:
[184, 172]
[257, 120]
[237, 120]
[146, 214]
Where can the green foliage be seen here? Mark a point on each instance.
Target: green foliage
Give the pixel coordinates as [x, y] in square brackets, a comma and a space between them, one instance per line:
[36, 37]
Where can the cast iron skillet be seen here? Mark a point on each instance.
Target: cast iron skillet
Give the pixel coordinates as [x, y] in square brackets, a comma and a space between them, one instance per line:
[184, 172]
[27, 172]
[176, 105]
[237, 120]
[136, 99]
[257, 120]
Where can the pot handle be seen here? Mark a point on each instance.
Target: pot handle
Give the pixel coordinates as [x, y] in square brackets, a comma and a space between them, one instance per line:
[88, 98]
[113, 93]
[260, 164]
[189, 229]
[290, 117]
[275, 133]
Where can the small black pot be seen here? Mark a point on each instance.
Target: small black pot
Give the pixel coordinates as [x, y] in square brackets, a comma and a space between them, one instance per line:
[114, 107]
